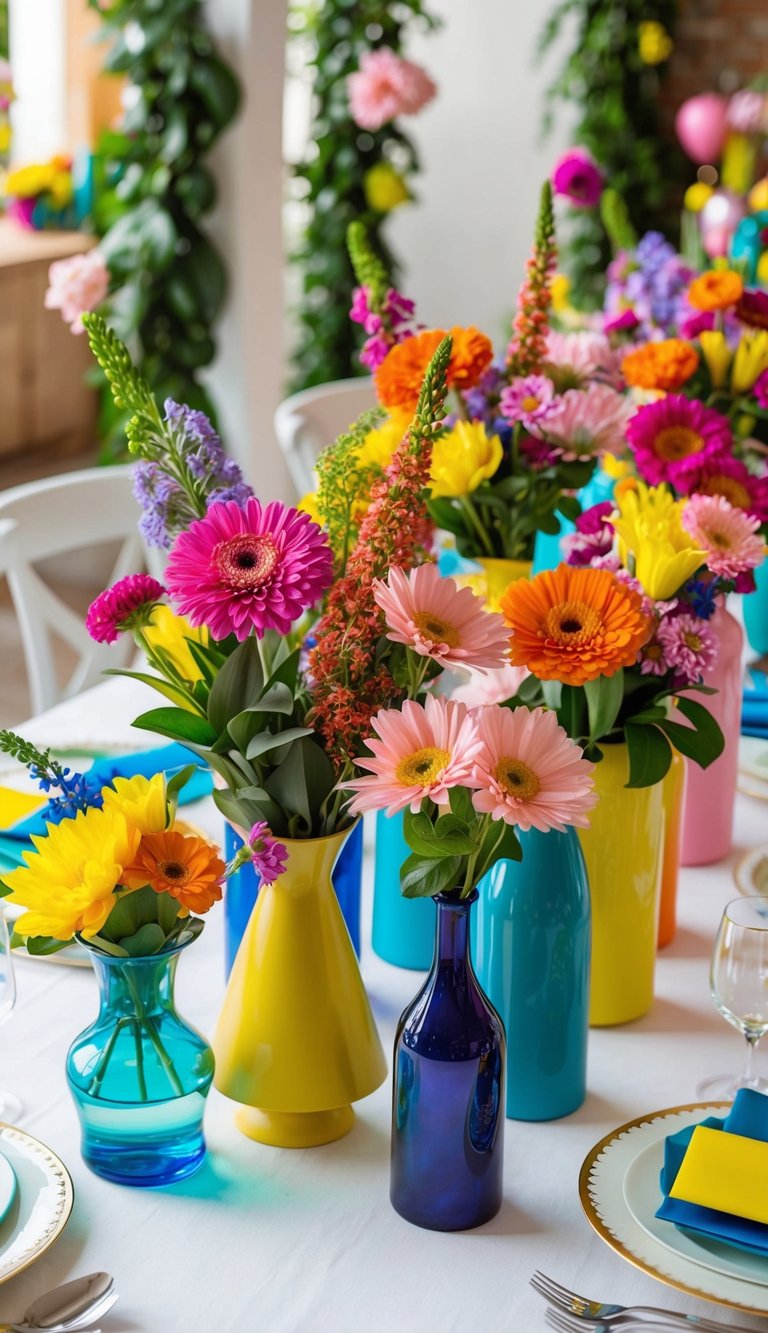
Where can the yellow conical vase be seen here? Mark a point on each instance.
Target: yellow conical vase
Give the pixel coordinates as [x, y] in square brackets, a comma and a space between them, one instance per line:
[296, 1041]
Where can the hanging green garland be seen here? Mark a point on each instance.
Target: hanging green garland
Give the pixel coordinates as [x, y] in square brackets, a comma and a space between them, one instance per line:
[612, 77]
[153, 188]
[356, 169]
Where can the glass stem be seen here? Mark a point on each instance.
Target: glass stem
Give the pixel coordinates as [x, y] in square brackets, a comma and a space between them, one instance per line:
[748, 1074]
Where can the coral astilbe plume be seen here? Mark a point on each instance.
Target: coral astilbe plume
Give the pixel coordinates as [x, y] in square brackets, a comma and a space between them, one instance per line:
[528, 346]
[348, 688]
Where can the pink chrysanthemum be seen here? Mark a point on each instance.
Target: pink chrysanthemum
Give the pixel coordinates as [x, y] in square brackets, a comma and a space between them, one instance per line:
[578, 178]
[675, 436]
[688, 644]
[575, 358]
[127, 605]
[528, 398]
[585, 422]
[417, 752]
[269, 856]
[244, 568]
[529, 771]
[652, 659]
[728, 535]
[731, 478]
[386, 86]
[437, 619]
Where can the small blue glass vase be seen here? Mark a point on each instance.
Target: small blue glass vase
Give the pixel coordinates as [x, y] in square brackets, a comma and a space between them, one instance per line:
[140, 1075]
[403, 928]
[531, 951]
[448, 1094]
[243, 887]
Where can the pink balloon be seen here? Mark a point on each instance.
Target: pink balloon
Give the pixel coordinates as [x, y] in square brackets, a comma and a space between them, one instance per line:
[701, 126]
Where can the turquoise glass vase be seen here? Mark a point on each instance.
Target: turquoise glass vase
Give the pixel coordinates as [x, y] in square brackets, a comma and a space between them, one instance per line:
[547, 547]
[755, 606]
[403, 928]
[139, 1075]
[531, 953]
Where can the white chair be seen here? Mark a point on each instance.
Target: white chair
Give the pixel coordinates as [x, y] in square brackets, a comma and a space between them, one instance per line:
[47, 519]
[308, 421]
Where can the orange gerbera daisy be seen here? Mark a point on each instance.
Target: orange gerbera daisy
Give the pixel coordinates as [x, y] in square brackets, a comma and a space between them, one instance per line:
[185, 867]
[400, 375]
[662, 365]
[716, 290]
[574, 624]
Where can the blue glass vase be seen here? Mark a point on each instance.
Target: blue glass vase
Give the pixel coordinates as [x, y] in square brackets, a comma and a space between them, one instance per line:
[755, 606]
[243, 886]
[403, 928]
[448, 1094]
[139, 1075]
[531, 951]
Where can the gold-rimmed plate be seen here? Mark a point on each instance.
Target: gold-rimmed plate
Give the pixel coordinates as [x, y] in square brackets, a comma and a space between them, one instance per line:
[42, 1205]
[751, 872]
[628, 1231]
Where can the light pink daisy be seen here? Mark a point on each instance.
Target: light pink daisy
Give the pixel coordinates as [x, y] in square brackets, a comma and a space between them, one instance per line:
[528, 398]
[417, 752]
[129, 603]
[244, 568]
[437, 619]
[688, 644]
[530, 772]
[585, 422]
[76, 285]
[728, 535]
[386, 86]
[576, 358]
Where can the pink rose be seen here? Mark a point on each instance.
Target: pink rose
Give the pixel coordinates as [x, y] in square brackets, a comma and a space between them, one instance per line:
[386, 86]
[77, 285]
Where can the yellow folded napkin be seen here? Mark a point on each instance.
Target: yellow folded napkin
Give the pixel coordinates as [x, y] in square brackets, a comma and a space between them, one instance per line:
[725, 1171]
[15, 805]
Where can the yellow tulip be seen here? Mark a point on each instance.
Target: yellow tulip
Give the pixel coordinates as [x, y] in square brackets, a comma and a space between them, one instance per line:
[617, 468]
[384, 188]
[697, 195]
[751, 360]
[463, 458]
[717, 355]
[168, 631]
[650, 530]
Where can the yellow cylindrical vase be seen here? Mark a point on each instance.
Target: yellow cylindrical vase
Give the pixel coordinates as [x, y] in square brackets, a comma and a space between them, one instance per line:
[495, 577]
[674, 797]
[623, 849]
[296, 1041]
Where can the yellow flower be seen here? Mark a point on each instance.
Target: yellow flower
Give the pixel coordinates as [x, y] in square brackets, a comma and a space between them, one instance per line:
[384, 188]
[5, 135]
[617, 468]
[758, 196]
[168, 631]
[762, 265]
[737, 168]
[751, 360]
[28, 182]
[697, 195]
[559, 290]
[380, 444]
[654, 43]
[463, 458]
[69, 881]
[649, 528]
[308, 505]
[717, 355]
[140, 800]
[60, 189]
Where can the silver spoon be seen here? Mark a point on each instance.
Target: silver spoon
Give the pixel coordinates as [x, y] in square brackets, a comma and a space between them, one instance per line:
[70, 1306]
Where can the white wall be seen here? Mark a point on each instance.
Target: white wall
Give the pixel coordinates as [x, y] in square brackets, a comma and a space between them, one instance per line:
[37, 42]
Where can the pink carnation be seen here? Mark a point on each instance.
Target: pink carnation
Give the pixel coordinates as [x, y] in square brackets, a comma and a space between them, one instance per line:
[578, 178]
[688, 644]
[386, 86]
[585, 422]
[728, 535]
[77, 285]
[126, 605]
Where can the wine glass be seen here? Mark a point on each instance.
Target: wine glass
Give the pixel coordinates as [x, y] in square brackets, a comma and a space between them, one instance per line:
[10, 1105]
[739, 983]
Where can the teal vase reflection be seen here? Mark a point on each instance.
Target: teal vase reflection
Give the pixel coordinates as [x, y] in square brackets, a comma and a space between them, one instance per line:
[755, 606]
[403, 928]
[531, 952]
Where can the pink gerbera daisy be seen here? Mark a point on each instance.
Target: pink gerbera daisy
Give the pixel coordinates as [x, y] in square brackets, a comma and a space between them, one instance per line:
[127, 605]
[418, 752]
[675, 436]
[731, 478]
[244, 568]
[689, 645]
[528, 398]
[728, 535]
[437, 619]
[529, 772]
[585, 422]
[576, 358]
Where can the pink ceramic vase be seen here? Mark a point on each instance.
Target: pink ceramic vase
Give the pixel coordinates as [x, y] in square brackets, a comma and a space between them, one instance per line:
[711, 792]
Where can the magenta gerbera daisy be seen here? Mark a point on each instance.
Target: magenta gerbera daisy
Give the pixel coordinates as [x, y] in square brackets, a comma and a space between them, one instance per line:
[676, 435]
[246, 568]
[127, 605]
[529, 772]
[729, 536]
[437, 619]
[688, 644]
[731, 478]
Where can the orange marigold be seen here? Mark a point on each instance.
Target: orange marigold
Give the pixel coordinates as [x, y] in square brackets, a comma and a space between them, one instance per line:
[574, 624]
[400, 376]
[716, 290]
[185, 867]
[663, 365]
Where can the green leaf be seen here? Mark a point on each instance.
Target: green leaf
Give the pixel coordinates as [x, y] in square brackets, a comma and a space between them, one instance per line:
[237, 686]
[302, 782]
[266, 741]
[163, 687]
[177, 723]
[147, 940]
[179, 780]
[650, 754]
[461, 803]
[40, 946]
[448, 837]
[422, 878]
[604, 699]
[706, 727]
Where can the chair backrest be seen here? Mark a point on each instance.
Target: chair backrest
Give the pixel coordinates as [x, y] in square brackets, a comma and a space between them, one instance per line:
[308, 421]
[46, 519]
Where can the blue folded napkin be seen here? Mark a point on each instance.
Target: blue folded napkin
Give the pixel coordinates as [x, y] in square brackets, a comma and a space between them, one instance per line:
[748, 1117]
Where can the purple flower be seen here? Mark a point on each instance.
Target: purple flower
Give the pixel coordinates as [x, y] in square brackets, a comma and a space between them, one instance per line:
[593, 536]
[527, 399]
[689, 645]
[578, 178]
[390, 324]
[269, 856]
[651, 282]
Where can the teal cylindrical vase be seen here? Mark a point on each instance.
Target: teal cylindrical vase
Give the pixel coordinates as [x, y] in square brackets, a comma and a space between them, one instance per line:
[403, 928]
[547, 550]
[531, 953]
[756, 611]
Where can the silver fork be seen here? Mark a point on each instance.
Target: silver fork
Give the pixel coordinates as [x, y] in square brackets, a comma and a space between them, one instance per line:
[583, 1312]
[569, 1323]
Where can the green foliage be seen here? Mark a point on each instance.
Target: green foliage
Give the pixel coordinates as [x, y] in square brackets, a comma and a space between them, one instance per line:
[616, 220]
[451, 850]
[330, 182]
[342, 484]
[368, 268]
[616, 100]
[154, 188]
[4, 29]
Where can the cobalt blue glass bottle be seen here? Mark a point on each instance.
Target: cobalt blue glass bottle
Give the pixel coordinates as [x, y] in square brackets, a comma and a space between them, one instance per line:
[139, 1075]
[531, 950]
[448, 1094]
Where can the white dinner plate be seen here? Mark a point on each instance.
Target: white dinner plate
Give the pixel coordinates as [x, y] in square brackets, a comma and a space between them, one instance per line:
[751, 872]
[42, 1204]
[602, 1193]
[753, 758]
[7, 1186]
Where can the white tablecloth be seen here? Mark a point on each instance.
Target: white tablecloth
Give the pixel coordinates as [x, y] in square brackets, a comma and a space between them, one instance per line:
[306, 1241]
